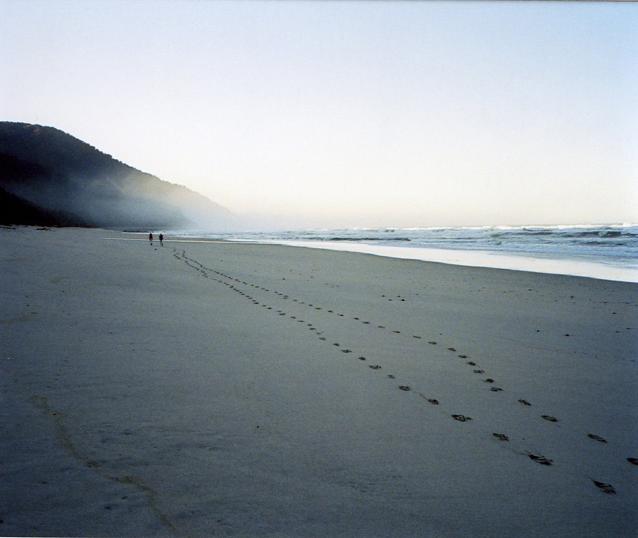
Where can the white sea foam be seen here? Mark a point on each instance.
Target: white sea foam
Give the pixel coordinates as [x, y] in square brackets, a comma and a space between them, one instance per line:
[496, 260]
[607, 251]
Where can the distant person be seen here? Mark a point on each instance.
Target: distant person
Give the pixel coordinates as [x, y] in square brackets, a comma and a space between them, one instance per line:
[162, 239]
[150, 238]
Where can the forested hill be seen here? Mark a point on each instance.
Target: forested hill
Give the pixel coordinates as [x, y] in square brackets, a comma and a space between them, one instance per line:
[50, 177]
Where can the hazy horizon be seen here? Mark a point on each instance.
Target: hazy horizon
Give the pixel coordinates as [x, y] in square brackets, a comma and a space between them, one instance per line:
[331, 114]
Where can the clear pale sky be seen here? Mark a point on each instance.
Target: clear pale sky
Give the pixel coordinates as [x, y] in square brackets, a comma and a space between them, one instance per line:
[334, 114]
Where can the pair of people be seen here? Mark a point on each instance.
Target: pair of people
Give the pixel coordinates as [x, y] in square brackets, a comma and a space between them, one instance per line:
[161, 238]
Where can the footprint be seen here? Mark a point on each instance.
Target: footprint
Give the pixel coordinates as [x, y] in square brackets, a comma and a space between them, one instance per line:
[550, 418]
[321, 338]
[479, 371]
[433, 401]
[488, 380]
[633, 461]
[396, 332]
[404, 387]
[432, 342]
[596, 437]
[451, 349]
[337, 344]
[496, 389]
[461, 418]
[501, 436]
[605, 488]
[524, 402]
[540, 459]
[417, 337]
[471, 363]
[380, 326]
[462, 356]
[361, 358]
[390, 376]
[375, 366]
[346, 351]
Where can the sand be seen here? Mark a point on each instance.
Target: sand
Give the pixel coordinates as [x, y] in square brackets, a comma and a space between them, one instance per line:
[251, 390]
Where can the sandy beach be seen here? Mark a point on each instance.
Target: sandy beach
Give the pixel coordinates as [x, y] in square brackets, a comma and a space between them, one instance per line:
[201, 389]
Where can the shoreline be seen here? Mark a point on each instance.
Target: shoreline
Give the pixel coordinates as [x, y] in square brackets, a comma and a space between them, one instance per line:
[608, 252]
[241, 388]
[484, 259]
[467, 258]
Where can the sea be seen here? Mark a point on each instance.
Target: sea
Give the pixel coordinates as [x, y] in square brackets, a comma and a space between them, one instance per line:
[608, 251]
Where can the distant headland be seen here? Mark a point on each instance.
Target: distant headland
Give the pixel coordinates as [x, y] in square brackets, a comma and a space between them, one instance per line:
[48, 177]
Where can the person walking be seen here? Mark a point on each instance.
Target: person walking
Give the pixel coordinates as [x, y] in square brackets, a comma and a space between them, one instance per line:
[150, 238]
[161, 237]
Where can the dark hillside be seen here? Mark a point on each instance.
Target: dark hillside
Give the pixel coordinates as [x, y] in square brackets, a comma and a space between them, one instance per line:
[15, 210]
[60, 175]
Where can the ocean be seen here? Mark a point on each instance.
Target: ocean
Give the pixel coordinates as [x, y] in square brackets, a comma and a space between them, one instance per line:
[599, 251]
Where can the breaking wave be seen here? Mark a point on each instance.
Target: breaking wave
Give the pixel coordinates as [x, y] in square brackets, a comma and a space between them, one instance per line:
[617, 243]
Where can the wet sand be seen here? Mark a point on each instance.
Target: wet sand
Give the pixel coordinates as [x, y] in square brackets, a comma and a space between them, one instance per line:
[244, 389]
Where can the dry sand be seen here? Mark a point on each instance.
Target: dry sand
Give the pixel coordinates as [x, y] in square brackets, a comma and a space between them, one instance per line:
[200, 389]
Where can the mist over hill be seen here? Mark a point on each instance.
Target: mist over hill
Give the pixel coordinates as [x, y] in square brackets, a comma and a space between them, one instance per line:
[52, 178]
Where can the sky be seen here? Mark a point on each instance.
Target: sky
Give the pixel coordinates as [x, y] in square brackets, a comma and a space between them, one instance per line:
[331, 114]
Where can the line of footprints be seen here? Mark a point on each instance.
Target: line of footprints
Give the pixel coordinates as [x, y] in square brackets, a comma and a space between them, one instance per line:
[232, 282]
